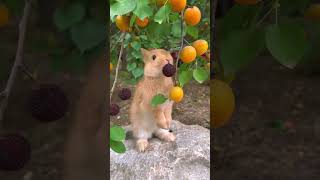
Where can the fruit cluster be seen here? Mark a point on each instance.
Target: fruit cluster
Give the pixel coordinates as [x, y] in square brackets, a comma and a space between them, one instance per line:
[124, 94]
[46, 103]
[191, 16]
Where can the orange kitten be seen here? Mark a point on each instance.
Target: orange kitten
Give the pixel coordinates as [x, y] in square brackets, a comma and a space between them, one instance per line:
[145, 119]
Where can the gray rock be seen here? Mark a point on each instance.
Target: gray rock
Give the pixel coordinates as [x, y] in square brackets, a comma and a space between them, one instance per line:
[188, 158]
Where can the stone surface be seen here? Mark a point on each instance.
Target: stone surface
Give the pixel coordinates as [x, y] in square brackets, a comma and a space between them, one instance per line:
[188, 158]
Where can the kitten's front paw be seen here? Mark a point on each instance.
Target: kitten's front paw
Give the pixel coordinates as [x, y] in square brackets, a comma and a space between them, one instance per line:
[142, 145]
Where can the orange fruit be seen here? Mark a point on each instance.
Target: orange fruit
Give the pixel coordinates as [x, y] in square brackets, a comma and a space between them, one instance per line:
[201, 46]
[111, 66]
[313, 12]
[247, 2]
[160, 2]
[176, 94]
[142, 23]
[192, 16]
[4, 15]
[222, 103]
[188, 54]
[178, 5]
[123, 22]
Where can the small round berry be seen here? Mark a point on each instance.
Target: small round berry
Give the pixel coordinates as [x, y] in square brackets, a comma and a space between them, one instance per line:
[125, 94]
[114, 109]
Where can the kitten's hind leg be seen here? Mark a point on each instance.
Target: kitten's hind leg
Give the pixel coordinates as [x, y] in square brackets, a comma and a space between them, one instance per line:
[142, 139]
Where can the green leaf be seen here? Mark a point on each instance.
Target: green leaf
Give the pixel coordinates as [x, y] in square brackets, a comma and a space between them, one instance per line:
[117, 146]
[193, 31]
[131, 81]
[117, 133]
[131, 66]
[136, 54]
[122, 7]
[158, 99]
[65, 18]
[176, 30]
[240, 49]
[88, 34]
[185, 77]
[132, 20]
[143, 10]
[137, 72]
[287, 43]
[238, 17]
[162, 14]
[136, 45]
[200, 75]
[156, 31]
[173, 17]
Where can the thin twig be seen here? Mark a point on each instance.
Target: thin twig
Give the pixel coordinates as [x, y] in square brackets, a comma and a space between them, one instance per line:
[181, 46]
[115, 44]
[18, 58]
[266, 14]
[186, 41]
[26, 71]
[118, 64]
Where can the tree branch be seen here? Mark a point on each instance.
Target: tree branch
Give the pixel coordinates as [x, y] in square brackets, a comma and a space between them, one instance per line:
[214, 33]
[18, 59]
[181, 46]
[118, 64]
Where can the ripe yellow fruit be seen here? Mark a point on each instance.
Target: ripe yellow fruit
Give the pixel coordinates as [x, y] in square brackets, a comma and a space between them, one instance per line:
[192, 16]
[4, 15]
[188, 54]
[160, 2]
[222, 103]
[176, 94]
[123, 23]
[247, 2]
[178, 5]
[142, 23]
[111, 66]
[313, 12]
[201, 46]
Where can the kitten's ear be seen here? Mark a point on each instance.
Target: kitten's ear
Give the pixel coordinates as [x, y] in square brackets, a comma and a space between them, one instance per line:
[145, 54]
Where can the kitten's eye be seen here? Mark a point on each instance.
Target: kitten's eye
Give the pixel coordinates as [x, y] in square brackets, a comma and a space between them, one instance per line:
[154, 57]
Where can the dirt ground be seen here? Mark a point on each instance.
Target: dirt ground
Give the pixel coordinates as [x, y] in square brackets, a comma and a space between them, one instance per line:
[194, 109]
[249, 149]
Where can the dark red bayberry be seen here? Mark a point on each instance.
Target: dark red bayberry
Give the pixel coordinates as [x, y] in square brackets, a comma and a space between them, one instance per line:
[15, 152]
[114, 109]
[169, 70]
[125, 94]
[48, 103]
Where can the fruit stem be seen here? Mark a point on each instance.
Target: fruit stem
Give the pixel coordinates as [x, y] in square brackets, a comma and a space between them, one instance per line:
[115, 44]
[118, 64]
[181, 46]
[26, 71]
[186, 41]
[18, 58]
[265, 15]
